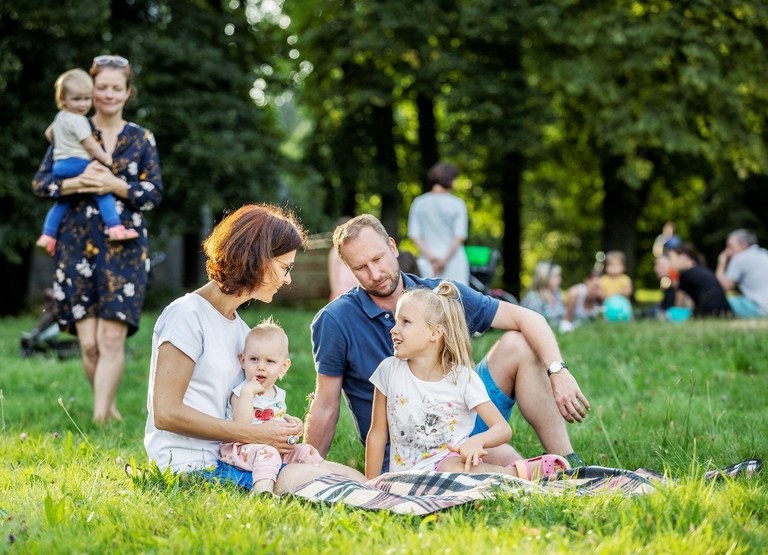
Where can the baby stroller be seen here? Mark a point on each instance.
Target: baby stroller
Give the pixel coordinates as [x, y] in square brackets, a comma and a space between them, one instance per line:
[482, 268]
[44, 339]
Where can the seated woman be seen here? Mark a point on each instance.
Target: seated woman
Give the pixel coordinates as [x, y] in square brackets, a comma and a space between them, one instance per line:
[583, 302]
[195, 346]
[698, 281]
[545, 296]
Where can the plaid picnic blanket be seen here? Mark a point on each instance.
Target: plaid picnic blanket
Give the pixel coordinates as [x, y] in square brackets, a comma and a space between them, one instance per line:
[421, 493]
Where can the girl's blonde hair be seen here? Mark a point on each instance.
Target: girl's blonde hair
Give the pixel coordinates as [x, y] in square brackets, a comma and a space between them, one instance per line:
[541, 275]
[444, 310]
[74, 80]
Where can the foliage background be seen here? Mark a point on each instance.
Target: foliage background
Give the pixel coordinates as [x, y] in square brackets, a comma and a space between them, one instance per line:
[579, 126]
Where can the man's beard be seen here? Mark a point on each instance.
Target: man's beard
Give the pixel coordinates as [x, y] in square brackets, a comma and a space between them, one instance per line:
[394, 281]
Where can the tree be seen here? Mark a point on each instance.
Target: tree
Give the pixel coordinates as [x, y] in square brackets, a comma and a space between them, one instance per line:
[38, 41]
[653, 86]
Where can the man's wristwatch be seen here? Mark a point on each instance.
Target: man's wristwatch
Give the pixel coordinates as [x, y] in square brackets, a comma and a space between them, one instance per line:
[555, 367]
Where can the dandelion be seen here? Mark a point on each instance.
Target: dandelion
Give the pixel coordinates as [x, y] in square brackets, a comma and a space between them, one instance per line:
[23, 436]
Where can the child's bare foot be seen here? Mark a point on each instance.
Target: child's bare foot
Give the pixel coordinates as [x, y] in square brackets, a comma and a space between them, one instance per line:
[47, 244]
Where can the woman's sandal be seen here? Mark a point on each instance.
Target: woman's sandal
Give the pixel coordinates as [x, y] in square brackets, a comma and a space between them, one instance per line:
[121, 233]
[540, 467]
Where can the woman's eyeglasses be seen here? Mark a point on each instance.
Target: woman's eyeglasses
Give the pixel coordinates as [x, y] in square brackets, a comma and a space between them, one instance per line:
[288, 269]
[110, 60]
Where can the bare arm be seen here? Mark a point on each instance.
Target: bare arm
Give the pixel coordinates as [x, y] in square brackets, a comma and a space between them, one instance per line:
[324, 413]
[173, 373]
[473, 449]
[94, 149]
[423, 250]
[570, 400]
[534, 328]
[376, 442]
[722, 263]
[49, 133]
[242, 406]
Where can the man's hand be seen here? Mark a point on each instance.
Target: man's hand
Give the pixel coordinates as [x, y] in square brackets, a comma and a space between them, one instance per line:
[571, 402]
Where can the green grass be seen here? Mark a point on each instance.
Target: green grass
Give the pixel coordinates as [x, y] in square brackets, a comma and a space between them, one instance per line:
[678, 398]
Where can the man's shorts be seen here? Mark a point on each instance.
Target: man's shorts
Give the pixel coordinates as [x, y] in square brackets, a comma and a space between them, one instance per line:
[503, 403]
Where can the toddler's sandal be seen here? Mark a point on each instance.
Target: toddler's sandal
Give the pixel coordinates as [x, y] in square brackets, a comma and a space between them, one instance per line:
[121, 233]
[540, 467]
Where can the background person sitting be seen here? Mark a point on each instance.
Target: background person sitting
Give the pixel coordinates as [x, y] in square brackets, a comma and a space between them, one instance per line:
[744, 265]
[698, 281]
[544, 295]
[671, 296]
[614, 281]
[583, 302]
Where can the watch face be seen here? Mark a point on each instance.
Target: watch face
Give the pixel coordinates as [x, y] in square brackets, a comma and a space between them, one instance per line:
[554, 368]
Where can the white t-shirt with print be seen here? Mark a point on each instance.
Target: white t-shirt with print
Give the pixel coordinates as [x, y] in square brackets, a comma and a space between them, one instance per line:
[265, 408]
[424, 417]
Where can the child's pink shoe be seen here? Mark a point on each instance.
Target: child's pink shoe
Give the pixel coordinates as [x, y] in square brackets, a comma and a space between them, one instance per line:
[47, 244]
[121, 233]
[540, 467]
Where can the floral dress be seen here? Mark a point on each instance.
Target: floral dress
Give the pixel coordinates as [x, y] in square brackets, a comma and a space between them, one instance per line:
[96, 278]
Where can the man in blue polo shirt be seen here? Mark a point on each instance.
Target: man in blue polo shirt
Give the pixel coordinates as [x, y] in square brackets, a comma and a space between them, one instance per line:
[351, 336]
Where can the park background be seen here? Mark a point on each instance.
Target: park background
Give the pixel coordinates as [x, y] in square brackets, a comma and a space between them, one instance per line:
[578, 126]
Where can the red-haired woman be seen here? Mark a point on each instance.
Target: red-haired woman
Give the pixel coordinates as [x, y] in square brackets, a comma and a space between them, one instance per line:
[195, 348]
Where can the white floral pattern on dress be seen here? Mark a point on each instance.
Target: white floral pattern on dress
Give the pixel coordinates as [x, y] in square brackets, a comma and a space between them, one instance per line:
[84, 269]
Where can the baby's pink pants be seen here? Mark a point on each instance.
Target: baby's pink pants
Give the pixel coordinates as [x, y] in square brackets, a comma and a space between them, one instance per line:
[264, 460]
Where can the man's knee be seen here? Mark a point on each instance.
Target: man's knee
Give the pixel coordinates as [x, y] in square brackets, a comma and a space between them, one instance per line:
[512, 345]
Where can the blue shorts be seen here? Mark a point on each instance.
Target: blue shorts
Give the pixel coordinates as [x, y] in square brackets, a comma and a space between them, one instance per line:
[498, 397]
[226, 473]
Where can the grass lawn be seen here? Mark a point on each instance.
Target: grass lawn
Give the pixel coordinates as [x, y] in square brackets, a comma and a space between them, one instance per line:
[677, 398]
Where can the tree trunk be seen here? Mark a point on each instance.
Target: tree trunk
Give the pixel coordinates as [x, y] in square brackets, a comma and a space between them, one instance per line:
[506, 175]
[622, 206]
[427, 137]
[386, 168]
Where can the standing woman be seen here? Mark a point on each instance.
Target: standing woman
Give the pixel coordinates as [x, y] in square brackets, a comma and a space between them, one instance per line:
[195, 346]
[99, 285]
[438, 224]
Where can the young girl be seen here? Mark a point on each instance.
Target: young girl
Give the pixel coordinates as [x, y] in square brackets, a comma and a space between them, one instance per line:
[545, 296]
[427, 396]
[73, 148]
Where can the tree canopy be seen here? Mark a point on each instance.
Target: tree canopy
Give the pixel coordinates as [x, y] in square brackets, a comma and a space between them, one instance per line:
[578, 126]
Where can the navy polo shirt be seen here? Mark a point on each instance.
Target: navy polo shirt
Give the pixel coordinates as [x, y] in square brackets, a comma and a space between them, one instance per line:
[351, 336]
